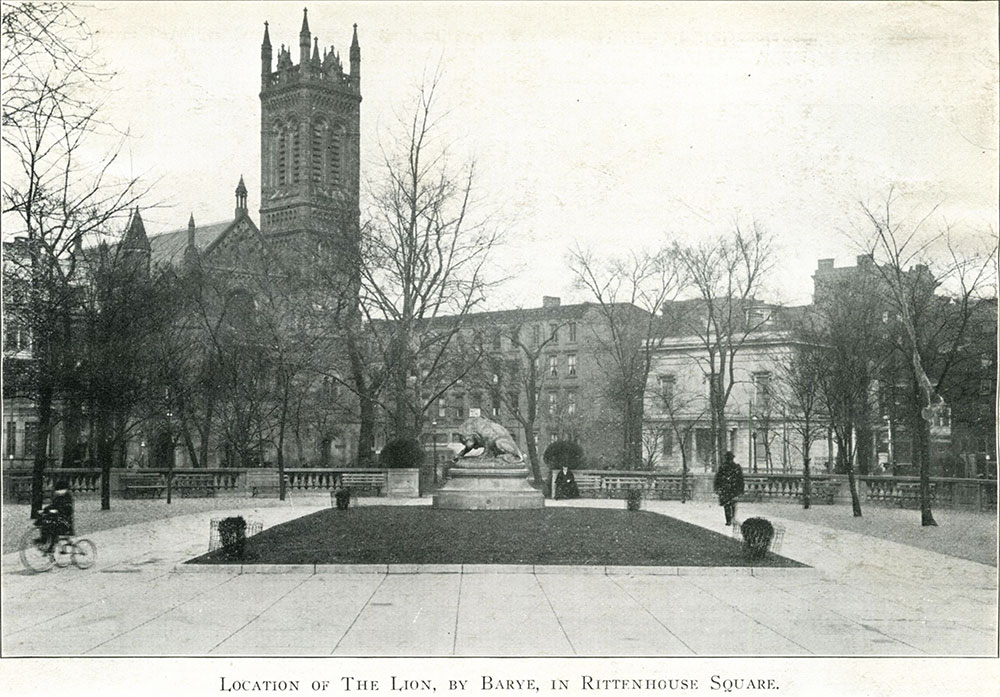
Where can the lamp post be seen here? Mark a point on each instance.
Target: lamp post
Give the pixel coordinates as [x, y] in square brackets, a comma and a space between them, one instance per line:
[888, 435]
[170, 457]
[434, 447]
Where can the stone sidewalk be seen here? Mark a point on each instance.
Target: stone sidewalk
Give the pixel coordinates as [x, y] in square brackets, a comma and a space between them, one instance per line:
[863, 597]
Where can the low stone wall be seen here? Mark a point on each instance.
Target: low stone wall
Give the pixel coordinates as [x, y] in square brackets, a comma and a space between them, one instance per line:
[970, 494]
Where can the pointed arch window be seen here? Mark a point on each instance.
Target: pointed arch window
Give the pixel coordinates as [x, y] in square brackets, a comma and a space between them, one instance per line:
[318, 156]
[335, 154]
[295, 152]
[279, 146]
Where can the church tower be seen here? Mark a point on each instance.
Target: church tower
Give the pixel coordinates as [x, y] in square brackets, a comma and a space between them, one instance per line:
[310, 144]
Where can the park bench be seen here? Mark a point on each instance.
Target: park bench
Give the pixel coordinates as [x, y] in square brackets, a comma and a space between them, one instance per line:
[588, 484]
[364, 481]
[142, 486]
[193, 485]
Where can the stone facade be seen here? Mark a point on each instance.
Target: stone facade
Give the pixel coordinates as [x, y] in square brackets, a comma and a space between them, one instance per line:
[764, 433]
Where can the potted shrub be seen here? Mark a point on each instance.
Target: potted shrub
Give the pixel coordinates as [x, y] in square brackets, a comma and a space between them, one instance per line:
[233, 536]
[757, 536]
[342, 498]
[633, 499]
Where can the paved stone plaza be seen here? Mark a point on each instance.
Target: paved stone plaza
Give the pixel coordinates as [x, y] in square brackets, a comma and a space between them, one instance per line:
[864, 596]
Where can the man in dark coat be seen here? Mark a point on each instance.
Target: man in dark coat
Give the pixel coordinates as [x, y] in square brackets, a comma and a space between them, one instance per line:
[56, 519]
[566, 487]
[729, 486]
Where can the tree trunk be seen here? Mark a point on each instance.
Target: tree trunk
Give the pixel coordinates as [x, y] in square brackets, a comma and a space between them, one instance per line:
[280, 455]
[206, 432]
[806, 482]
[41, 448]
[684, 473]
[105, 453]
[366, 431]
[71, 433]
[536, 468]
[848, 466]
[923, 452]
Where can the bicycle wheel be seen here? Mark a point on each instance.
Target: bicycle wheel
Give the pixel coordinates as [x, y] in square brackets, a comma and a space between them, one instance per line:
[34, 556]
[63, 553]
[84, 554]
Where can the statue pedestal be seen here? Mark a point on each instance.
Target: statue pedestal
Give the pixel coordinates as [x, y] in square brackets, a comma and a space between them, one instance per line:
[488, 484]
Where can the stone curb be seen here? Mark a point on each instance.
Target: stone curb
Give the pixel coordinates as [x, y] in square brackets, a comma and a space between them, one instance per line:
[539, 569]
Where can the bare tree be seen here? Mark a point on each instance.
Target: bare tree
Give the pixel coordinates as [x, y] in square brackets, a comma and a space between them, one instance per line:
[800, 379]
[128, 312]
[506, 378]
[725, 274]
[424, 265]
[629, 292]
[55, 194]
[912, 263]
[681, 412]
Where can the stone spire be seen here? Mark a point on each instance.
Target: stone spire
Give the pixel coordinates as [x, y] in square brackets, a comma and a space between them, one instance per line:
[135, 237]
[356, 60]
[191, 251]
[135, 249]
[265, 56]
[304, 39]
[241, 198]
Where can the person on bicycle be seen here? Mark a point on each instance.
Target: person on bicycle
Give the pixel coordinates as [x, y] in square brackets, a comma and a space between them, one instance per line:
[56, 519]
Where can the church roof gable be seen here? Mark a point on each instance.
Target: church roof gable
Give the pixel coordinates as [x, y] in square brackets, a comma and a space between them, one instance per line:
[168, 247]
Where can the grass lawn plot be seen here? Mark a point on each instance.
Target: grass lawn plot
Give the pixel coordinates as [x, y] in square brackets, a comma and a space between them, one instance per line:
[421, 535]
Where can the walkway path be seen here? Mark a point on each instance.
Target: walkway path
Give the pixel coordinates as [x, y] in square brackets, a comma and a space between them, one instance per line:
[864, 596]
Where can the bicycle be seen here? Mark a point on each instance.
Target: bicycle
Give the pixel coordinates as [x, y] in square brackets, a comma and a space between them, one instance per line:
[36, 555]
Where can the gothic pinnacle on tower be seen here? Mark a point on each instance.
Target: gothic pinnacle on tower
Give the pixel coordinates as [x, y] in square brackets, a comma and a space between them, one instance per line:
[191, 251]
[304, 38]
[135, 238]
[265, 56]
[356, 60]
[241, 198]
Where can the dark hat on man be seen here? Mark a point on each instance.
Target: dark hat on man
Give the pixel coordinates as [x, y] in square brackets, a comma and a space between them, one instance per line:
[729, 457]
[62, 483]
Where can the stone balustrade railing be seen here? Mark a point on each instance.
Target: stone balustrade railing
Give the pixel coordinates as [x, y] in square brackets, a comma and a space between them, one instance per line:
[225, 481]
[974, 494]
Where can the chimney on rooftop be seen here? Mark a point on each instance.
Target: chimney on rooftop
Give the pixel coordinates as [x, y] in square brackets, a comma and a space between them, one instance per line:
[550, 301]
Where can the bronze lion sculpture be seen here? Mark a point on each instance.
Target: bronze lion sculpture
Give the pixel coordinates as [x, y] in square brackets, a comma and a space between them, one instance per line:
[494, 439]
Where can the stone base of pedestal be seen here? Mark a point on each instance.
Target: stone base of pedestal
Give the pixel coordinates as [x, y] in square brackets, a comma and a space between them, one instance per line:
[488, 486]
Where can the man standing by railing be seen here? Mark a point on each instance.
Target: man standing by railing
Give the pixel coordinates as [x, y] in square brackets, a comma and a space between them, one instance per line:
[729, 486]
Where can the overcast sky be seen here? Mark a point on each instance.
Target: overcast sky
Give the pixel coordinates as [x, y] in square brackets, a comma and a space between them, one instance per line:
[605, 125]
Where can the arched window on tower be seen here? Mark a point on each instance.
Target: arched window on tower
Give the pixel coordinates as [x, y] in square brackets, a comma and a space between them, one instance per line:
[279, 165]
[295, 149]
[317, 153]
[335, 150]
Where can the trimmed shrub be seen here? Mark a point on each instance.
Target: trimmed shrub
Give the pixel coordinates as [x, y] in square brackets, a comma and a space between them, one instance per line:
[233, 536]
[757, 535]
[563, 453]
[633, 499]
[401, 452]
[343, 498]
